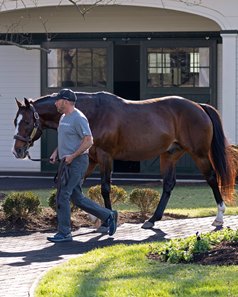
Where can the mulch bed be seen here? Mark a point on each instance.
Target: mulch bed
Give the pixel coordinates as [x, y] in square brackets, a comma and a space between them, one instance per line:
[226, 253]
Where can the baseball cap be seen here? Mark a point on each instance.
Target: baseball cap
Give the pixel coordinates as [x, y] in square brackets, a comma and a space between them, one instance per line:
[66, 94]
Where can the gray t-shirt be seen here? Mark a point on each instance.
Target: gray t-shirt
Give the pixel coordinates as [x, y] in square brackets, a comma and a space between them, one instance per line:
[72, 129]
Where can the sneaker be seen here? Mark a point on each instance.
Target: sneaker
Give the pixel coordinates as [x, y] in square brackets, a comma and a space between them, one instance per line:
[112, 222]
[59, 237]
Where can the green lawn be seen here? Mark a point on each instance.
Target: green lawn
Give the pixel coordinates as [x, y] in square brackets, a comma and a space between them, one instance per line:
[125, 271]
[190, 200]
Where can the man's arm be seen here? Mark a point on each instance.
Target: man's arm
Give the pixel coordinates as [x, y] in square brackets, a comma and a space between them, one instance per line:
[54, 156]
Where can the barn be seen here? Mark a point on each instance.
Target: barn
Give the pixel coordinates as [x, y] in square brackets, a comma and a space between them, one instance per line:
[137, 49]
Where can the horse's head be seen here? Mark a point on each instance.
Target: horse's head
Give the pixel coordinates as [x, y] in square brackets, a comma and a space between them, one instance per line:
[28, 128]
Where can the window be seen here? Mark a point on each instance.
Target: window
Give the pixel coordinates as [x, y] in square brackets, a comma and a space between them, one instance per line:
[178, 67]
[77, 67]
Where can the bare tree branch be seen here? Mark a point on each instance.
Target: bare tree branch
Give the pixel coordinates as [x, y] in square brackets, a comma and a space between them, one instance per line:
[26, 47]
[84, 10]
[191, 2]
[13, 35]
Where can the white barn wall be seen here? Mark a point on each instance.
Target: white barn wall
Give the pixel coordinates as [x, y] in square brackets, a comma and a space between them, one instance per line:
[229, 85]
[19, 77]
[219, 77]
[236, 99]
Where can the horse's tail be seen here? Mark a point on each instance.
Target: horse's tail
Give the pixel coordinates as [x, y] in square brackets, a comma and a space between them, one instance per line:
[221, 155]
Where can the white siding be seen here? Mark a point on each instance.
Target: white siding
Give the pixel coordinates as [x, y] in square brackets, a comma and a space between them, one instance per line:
[229, 85]
[219, 77]
[19, 77]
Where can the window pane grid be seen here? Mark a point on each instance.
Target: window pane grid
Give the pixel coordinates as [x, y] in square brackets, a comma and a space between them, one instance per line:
[69, 67]
[180, 67]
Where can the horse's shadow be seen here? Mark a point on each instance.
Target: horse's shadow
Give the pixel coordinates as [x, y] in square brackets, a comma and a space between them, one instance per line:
[56, 252]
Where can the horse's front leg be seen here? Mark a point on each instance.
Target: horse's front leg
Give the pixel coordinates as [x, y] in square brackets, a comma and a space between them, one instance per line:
[104, 160]
[106, 188]
[105, 166]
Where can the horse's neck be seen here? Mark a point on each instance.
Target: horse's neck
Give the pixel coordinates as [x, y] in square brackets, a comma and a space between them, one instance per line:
[94, 104]
[48, 113]
[88, 104]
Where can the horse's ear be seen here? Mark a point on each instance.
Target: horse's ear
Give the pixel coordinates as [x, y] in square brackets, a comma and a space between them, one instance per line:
[27, 103]
[18, 103]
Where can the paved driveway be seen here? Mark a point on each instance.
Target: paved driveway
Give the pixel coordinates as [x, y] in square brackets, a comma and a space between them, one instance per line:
[25, 257]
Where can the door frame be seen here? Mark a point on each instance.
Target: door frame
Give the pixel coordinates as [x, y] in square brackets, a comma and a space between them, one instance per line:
[48, 137]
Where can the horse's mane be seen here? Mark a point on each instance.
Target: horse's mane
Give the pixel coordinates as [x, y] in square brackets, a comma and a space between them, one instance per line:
[98, 98]
[96, 95]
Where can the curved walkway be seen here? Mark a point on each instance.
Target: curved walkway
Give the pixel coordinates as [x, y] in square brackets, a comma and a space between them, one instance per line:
[25, 257]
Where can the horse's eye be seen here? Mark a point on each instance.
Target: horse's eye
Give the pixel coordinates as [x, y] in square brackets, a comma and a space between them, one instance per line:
[27, 122]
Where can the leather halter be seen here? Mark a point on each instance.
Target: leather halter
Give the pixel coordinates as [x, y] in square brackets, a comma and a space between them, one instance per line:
[29, 139]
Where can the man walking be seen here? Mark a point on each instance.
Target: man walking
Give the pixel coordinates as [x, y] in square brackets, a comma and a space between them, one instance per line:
[74, 140]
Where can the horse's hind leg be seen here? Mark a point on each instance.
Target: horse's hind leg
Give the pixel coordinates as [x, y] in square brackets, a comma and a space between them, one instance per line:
[205, 167]
[167, 167]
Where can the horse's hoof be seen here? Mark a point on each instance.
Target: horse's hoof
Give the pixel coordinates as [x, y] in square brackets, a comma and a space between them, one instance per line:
[147, 225]
[102, 229]
[92, 218]
[217, 223]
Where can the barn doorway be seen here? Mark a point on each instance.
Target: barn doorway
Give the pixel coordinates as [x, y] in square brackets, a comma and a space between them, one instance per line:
[126, 71]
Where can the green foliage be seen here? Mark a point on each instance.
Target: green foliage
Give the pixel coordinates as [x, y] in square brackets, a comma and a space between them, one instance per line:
[19, 205]
[183, 250]
[117, 194]
[52, 200]
[146, 199]
[186, 200]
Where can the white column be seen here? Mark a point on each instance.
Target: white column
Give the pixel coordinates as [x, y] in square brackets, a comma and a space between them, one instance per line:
[229, 85]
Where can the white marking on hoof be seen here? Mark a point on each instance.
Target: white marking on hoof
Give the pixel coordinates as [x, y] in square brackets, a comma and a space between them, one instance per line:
[220, 212]
[92, 218]
[97, 222]
[217, 223]
[102, 229]
[147, 225]
[221, 207]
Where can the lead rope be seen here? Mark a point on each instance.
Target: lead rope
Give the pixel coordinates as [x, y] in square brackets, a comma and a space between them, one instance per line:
[37, 160]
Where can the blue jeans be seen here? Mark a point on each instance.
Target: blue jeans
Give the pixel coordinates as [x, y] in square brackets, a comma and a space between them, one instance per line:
[73, 191]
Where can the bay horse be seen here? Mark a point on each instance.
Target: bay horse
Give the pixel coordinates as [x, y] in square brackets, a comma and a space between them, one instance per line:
[139, 130]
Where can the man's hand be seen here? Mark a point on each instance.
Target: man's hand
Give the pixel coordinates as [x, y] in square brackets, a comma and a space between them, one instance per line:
[68, 159]
[54, 157]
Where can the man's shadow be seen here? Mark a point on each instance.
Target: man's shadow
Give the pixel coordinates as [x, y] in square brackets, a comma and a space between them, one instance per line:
[57, 251]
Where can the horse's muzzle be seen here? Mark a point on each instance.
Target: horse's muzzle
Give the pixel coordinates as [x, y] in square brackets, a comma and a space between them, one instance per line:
[20, 153]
